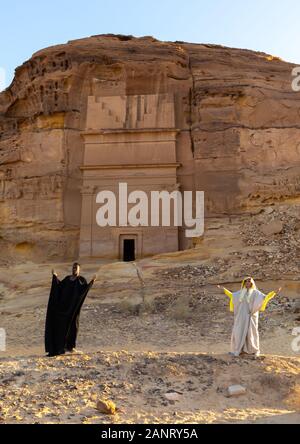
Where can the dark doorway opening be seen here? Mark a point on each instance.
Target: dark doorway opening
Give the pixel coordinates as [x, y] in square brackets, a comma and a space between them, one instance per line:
[129, 250]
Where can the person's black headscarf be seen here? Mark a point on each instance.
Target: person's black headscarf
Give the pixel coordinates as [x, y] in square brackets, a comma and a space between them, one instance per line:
[64, 306]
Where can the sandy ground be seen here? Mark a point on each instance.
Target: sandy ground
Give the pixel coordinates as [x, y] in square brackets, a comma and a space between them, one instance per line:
[66, 389]
[140, 344]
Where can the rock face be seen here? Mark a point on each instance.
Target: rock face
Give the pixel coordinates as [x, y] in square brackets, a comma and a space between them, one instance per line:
[236, 120]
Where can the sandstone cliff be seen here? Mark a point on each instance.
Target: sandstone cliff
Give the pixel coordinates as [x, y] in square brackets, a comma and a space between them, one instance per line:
[238, 117]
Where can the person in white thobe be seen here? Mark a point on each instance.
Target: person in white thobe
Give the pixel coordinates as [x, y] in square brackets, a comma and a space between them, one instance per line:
[246, 305]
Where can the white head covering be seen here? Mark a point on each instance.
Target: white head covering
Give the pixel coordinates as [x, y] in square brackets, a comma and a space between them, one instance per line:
[245, 293]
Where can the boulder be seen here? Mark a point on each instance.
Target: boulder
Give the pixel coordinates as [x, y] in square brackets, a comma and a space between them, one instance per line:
[236, 390]
[106, 407]
[174, 396]
[272, 228]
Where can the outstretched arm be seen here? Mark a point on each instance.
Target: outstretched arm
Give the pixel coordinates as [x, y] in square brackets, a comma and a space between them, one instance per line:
[93, 280]
[230, 295]
[268, 298]
[55, 277]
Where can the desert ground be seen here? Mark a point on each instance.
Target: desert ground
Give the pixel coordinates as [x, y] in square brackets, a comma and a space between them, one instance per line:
[141, 343]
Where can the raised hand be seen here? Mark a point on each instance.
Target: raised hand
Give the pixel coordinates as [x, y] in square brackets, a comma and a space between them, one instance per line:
[54, 273]
[95, 278]
[279, 290]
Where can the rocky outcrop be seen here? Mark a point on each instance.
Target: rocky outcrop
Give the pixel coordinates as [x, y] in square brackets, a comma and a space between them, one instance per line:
[238, 117]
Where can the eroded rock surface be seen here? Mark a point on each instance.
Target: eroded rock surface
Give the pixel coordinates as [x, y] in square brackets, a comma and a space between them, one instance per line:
[236, 111]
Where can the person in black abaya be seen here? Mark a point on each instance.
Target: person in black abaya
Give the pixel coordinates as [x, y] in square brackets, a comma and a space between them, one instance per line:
[64, 306]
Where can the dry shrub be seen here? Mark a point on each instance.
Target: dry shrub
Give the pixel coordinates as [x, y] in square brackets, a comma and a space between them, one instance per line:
[148, 307]
[285, 388]
[181, 310]
[136, 308]
[270, 381]
[130, 307]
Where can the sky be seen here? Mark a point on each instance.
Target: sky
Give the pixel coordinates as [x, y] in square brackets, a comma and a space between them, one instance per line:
[271, 26]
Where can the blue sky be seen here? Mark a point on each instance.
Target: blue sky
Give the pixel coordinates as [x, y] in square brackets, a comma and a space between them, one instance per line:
[271, 26]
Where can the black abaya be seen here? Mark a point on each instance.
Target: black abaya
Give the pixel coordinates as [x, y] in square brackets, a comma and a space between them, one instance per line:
[62, 320]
